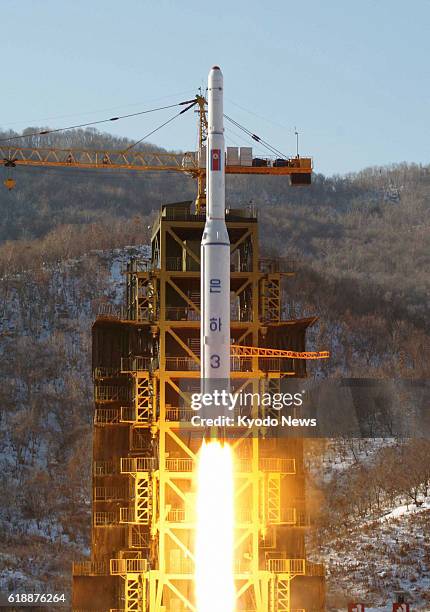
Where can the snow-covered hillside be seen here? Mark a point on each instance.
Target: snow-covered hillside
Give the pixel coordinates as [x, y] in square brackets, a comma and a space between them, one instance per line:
[374, 559]
[46, 401]
[379, 549]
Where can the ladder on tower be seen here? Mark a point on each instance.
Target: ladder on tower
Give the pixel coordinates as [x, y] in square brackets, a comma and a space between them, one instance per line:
[144, 398]
[134, 593]
[283, 595]
[283, 571]
[141, 298]
[143, 499]
[270, 305]
[273, 498]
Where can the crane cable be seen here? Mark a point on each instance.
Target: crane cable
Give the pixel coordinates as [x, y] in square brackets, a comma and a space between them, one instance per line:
[184, 110]
[257, 138]
[190, 104]
[81, 125]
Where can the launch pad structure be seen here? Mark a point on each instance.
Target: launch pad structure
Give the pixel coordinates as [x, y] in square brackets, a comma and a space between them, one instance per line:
[204, 288]
[146, 365]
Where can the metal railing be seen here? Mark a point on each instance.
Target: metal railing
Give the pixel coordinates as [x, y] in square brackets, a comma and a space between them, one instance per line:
[179, 414]
[287, 566]
[265, 364]
[106, 416]
[89, 568]
[111, 393]
[132, 465]
[177, 214]
[180, 464]
[241, 314]
[109, 493]
[113, 311]
[303, 519]
[126, 515]
[271, 265]
[242, 266]
[242, 515]
[243, 464]
[180, 566]
[105, 372]
[288, 516]
[277, 464]
[137, 264]
[181, 313]
[128, 414]
[187, 313]
[276, 364]
[103, 468]
[314, 569]
[241, 364]
[295, 566]
[187, 364]
[172, 214]
[176, 515]
[174, 264]
[172, 313]
[104, 519]
[179, 264]
[241, 566]
[128, 566]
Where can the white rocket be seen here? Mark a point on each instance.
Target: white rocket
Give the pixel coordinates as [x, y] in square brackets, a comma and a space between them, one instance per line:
[215, 248]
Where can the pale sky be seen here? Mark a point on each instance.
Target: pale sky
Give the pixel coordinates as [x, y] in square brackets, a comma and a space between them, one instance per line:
[352, 76]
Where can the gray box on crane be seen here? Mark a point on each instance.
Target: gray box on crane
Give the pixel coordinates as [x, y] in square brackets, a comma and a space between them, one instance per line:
[245, 156]
[232, 156]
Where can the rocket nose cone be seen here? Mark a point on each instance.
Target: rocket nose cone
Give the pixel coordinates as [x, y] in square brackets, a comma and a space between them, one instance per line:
[215, 77]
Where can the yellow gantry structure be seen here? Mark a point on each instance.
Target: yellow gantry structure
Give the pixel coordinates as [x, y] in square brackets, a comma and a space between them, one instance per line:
[146, 366]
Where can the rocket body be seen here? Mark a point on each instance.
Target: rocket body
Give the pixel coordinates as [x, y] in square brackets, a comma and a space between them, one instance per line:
[215, 249]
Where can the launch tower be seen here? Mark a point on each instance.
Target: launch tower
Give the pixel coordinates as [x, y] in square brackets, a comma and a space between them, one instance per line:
[145, 366]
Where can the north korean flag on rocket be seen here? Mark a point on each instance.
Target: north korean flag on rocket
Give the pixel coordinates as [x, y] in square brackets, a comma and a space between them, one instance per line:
[215, 159]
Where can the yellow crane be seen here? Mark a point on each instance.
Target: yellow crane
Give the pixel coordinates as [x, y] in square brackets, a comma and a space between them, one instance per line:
[254, 351]
[299, 169]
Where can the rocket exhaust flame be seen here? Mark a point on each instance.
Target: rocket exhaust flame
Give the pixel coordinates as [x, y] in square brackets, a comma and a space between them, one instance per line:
[215, 529]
